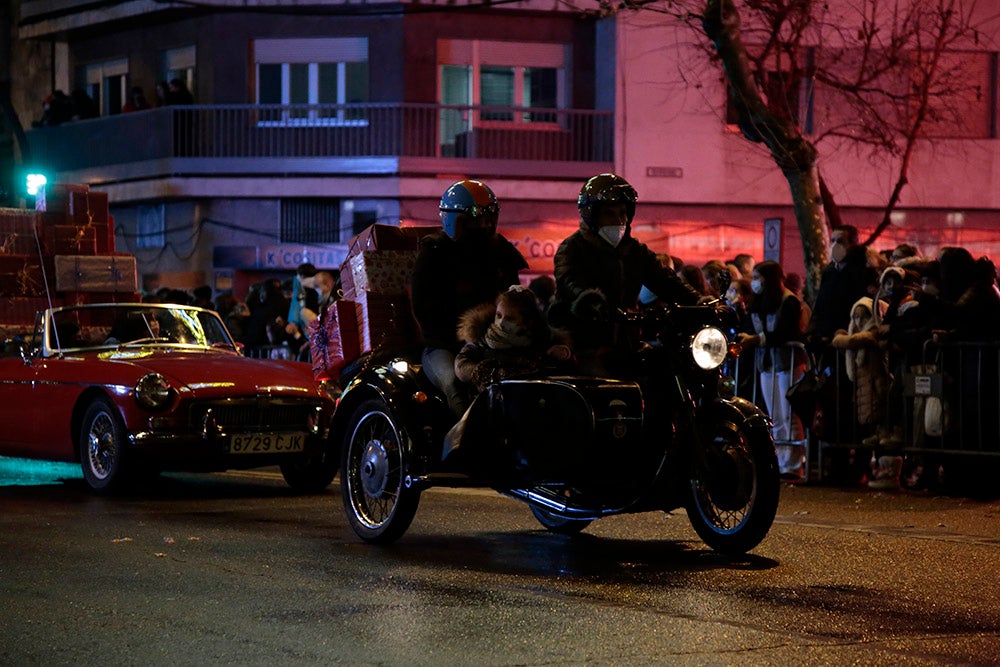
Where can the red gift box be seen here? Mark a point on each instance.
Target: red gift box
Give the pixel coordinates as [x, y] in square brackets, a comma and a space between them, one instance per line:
[22, 309]
[333, 340]
[21, 275]
[12, 243]
[70, 239]
[385, 321]
[380, 237]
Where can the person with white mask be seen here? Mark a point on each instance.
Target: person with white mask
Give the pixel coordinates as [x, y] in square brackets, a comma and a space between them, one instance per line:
[601, 267]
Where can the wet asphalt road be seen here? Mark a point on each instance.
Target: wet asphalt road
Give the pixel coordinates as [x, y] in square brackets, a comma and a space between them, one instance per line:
[233, 569]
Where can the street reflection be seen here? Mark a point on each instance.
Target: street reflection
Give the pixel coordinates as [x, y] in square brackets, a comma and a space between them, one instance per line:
[24, 472]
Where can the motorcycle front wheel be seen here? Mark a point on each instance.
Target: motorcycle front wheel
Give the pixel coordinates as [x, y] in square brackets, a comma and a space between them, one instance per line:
[378, 503]
[734, 488]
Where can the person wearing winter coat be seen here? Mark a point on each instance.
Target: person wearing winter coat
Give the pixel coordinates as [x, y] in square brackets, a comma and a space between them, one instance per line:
[601, 268]
[508, 339]
[865, 361]
[867, 367]
[466, 264]
[503, 340]
[776, 314]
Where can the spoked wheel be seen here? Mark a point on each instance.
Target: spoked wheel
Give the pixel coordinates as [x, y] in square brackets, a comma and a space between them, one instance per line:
[557, 524]
[734, 488]
[379, 506]
[102, 447]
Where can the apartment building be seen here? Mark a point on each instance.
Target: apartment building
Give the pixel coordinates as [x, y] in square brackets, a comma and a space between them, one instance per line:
[313, 119]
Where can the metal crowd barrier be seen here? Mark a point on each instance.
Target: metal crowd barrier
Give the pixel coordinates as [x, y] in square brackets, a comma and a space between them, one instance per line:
[943, 404]
[270, 352]
[763, 376]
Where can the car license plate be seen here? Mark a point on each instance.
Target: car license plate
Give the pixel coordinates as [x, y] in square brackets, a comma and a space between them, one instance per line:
[266, 443]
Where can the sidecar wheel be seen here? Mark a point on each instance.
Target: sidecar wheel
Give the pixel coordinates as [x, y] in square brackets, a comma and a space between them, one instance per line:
[557, 524]
[734, 497]
[379, 506]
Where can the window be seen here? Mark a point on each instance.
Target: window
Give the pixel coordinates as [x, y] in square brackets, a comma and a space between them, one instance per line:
[179, 64]
[314, 78]
[150, 229]
[310, 221]
[106, 83]
[504, 74]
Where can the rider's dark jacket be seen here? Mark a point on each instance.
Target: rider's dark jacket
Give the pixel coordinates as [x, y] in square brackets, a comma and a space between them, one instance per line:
[452, 276]
[589, 270]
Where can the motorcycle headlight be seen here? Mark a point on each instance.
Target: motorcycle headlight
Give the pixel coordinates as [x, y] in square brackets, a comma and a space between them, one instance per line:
[709, 347]
[152, 391]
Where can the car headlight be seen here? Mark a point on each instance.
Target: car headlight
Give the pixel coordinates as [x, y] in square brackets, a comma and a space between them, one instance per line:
[709, 347]
[152, 391]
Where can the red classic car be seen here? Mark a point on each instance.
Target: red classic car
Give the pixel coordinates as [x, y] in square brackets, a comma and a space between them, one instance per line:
[129, 390]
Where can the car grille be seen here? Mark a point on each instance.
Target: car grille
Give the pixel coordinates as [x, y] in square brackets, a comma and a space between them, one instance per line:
[252, 415]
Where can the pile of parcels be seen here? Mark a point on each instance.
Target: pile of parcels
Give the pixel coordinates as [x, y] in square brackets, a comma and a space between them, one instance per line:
[66, 243]
[375, 311]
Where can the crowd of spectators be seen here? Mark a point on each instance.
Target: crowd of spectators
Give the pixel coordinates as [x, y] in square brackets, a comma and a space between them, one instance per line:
[876, 319]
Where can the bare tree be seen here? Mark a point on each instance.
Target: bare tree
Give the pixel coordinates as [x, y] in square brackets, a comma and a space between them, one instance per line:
[804, 74]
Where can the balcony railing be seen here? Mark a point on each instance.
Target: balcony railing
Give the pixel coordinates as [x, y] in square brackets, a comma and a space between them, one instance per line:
[326, 139]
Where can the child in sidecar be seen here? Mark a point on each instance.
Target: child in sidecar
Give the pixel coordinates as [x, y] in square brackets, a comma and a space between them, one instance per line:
[507, 339]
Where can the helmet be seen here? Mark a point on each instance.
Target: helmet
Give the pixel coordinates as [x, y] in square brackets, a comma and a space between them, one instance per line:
[605, 189]
[471, 198]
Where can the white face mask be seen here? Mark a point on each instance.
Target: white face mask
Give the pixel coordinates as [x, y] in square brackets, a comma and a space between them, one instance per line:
[756, 286]
[838, 252]
[613, 234]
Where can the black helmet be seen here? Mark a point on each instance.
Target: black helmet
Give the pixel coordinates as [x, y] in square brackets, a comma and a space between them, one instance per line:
[605, 189]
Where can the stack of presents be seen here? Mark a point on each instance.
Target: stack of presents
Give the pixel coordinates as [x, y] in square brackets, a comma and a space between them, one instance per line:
[375, 312]
[66, 243]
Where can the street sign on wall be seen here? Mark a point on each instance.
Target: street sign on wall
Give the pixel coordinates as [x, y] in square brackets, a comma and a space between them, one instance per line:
[772, 239]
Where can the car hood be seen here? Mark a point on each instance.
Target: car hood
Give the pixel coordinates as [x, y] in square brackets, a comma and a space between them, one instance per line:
[212, 373]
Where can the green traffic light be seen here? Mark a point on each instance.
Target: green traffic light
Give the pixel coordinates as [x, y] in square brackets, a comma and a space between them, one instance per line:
[34, 183]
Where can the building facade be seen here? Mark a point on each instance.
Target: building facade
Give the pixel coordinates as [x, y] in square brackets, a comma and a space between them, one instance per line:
[310, 121]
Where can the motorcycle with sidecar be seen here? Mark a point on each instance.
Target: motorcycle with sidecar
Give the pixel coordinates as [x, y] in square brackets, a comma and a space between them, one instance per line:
[666, 433]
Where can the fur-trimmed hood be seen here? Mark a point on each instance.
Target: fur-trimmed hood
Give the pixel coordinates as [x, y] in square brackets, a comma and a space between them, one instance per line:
[473, 323]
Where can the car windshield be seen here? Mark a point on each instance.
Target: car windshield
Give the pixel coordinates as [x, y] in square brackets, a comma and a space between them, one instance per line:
[122, 325]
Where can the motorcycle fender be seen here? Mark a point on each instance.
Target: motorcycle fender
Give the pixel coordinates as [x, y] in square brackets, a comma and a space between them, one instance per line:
[736, 410]
[422, 422]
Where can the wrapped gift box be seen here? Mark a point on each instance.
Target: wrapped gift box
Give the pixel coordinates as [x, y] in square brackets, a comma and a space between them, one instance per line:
[22, 309]
[70, 239]
[380, 237]
[385, 321]
[12, 243]
[70, 199]
[17, 221]
[21, 275]
[333, 340]
[96, 273]
[382, 272]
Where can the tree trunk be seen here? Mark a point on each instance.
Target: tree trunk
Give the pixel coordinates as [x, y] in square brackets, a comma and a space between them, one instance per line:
[794, 155]
[811, 217]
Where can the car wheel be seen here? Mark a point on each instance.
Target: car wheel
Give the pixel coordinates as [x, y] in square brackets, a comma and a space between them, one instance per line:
[103, 454]
[311, 474]
[379, 505]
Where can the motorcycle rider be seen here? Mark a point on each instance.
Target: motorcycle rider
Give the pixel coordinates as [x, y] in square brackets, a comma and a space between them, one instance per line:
[466, 264]
[601, 268]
